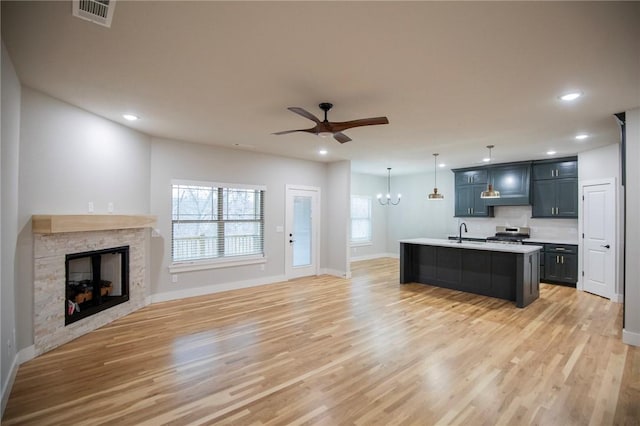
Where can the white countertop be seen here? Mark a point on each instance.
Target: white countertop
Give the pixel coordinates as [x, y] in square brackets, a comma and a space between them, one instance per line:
[474, 245]
[551, 241]
[540, 240]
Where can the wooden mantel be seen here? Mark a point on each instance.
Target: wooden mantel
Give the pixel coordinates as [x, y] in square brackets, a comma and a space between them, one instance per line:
[55, 224]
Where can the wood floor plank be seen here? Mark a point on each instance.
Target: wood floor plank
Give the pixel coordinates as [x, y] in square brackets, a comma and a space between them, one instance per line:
[325, 350]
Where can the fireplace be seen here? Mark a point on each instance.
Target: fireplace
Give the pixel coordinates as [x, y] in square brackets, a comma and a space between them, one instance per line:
[95, 281]
[60, 239]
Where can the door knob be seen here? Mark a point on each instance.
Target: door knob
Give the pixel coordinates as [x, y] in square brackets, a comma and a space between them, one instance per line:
[607, 246]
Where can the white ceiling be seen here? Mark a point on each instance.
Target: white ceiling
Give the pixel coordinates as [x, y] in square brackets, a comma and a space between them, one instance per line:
[452, 77]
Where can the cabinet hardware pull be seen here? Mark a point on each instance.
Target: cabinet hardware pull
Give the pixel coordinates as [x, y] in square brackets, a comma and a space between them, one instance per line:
[552, 210]
[557, 259]
[560, 249]
[562, 259]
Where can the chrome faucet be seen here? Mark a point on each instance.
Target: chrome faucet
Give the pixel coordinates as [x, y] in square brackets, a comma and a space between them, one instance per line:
[460, 231]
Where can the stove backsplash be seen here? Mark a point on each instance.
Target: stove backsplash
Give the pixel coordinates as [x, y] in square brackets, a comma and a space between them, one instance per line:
[551, 229]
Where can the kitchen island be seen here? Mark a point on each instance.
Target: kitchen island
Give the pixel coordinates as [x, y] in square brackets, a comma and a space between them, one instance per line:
[504, 271]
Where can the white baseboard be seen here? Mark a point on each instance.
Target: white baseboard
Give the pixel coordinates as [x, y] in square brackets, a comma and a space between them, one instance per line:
[335, 273]
[618, 298]
[217, 288]
[24, 355]
[373, 256]
[6, 387]
[630, 338]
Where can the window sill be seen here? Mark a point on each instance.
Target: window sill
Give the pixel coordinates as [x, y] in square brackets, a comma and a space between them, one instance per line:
[201, 265]
[362, 244]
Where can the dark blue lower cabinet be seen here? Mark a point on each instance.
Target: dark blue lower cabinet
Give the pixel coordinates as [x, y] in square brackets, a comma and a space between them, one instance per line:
[505, 275]
[475, 271]
[448, 264]
[504, 269]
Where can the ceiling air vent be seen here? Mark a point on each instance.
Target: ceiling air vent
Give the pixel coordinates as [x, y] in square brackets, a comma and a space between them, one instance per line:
[98, 11]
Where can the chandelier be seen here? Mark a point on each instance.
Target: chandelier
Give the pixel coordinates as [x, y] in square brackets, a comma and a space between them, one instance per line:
[387, 199]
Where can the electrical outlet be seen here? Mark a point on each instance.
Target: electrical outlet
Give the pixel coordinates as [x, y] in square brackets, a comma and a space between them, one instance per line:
[110, 207]
[262, 267]
[174, 278]
[90, 207]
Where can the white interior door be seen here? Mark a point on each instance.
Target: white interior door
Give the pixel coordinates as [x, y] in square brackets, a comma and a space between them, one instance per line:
[302, 231]
[599, 243]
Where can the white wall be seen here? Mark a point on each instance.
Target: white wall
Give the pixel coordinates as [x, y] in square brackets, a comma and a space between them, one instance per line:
[370, 186]
[338, 201]
[180, 160]
[416, 216]
[9, 150]
[69, 157]
[545, 229]
[603, 163]
[631, 332]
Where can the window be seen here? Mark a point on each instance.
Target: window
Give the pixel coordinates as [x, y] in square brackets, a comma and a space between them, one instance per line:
[212, 221]
[360, 219]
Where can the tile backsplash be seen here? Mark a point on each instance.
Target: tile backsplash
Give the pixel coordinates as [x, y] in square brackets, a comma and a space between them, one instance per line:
[551, 229]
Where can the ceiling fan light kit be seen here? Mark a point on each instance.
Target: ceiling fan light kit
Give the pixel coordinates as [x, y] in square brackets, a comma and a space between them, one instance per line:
[490, 192]
[387, 200]
[435, 195]
[327, 128]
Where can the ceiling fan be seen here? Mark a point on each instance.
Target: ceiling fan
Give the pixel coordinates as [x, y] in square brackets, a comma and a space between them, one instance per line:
[327, 128]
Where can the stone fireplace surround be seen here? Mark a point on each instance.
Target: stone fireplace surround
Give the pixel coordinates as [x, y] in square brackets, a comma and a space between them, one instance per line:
[49, 252]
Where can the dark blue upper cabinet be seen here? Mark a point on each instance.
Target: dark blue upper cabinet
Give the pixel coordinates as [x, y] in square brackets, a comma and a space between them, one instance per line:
[555, 188]
[471, 177]
[513, 182]
[555, 170]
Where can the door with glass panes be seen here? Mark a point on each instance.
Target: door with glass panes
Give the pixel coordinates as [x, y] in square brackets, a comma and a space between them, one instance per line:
[302, 241]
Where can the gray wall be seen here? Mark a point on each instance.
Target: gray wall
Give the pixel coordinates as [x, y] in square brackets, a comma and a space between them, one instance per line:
[69, 157]
[603, 163]
[9, 213]
[338, 201]
[370, 185]
[416, 216]
[180, 160]
[632, 266]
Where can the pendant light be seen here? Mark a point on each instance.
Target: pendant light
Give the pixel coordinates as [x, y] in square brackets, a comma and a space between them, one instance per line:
[435, 196]
[490, 192]
[388, 196]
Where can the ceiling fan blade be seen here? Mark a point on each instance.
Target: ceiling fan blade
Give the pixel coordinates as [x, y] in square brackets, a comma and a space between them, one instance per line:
[344, 125]
[284, 132]
[306, 114]
[341, 137]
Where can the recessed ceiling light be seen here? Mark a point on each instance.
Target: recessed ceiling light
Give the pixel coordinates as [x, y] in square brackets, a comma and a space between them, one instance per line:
[323, 152]
[550, 152]
[442, 165]
[571, 96]
[486, 160]
[130, 117]
[582, 136]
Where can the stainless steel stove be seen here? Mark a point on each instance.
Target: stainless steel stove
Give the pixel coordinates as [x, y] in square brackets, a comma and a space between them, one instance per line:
[510, 235]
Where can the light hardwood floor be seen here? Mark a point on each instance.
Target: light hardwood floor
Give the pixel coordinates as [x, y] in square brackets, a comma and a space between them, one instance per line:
[331, 351]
